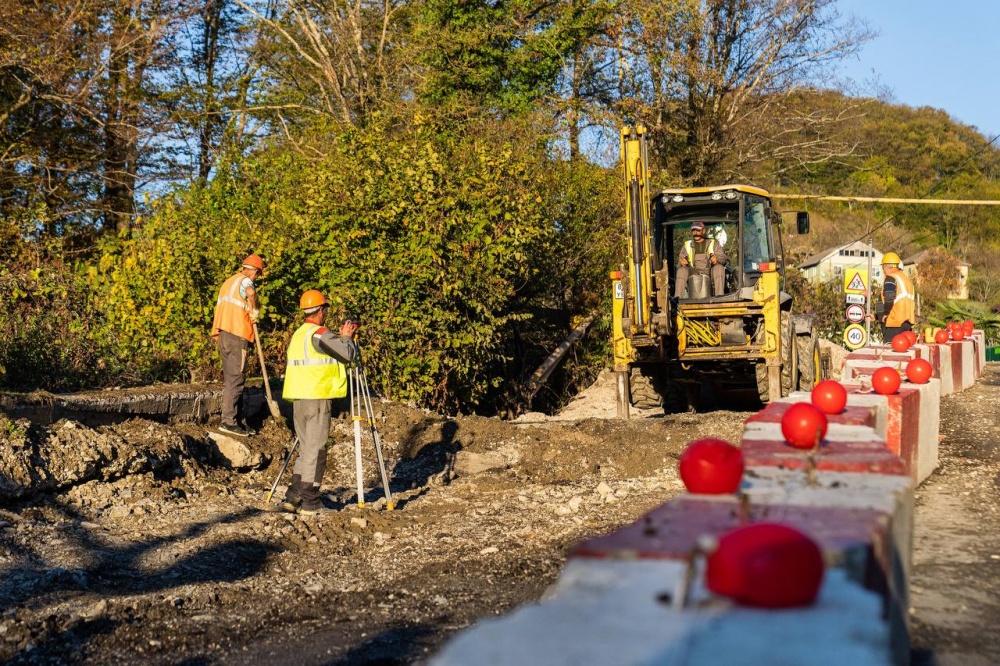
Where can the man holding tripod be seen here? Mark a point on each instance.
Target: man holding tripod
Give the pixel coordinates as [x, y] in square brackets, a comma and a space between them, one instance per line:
[315, 375]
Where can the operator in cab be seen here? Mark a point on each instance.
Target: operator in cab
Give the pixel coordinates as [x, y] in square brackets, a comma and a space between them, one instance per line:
[704, 256]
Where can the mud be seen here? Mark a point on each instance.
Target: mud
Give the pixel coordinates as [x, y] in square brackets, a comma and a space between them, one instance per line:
[139, 543]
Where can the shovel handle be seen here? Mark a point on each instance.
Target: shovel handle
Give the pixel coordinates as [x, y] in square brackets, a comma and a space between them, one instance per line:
[263, 368]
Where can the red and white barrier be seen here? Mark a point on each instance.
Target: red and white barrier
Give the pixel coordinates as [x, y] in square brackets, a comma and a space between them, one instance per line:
[637, 595]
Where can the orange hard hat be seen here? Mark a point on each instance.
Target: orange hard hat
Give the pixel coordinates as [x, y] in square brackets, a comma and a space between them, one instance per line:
[254, 261]
[311, 299]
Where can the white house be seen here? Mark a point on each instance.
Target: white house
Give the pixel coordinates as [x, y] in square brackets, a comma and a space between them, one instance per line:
[829, 265]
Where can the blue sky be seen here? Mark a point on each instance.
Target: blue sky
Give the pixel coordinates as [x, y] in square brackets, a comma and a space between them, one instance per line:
[933, 53]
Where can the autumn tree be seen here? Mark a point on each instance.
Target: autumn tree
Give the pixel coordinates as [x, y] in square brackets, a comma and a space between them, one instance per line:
[720, 83]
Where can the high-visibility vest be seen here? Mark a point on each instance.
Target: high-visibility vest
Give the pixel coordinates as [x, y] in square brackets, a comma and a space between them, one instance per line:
[311, 375]
[232, 311]
[689, 248]
[904, 307]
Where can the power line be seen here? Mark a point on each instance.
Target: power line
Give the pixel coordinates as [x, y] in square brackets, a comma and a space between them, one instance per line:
[921, 200]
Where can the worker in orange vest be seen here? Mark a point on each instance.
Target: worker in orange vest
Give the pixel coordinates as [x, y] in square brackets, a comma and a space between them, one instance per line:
[236, 311]
[896, 310]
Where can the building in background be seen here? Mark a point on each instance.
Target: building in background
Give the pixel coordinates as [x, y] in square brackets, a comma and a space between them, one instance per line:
[830, 265]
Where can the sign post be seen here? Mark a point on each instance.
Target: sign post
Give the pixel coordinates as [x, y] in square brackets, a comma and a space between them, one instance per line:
[856, 296]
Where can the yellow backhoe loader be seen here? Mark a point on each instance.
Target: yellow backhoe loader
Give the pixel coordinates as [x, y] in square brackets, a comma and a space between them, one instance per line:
[734, 330]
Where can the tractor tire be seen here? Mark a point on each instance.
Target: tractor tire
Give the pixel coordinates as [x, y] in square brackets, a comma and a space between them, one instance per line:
[789, 365]
[809, 361]
[762, 384]
[642, 391]
[789, 357]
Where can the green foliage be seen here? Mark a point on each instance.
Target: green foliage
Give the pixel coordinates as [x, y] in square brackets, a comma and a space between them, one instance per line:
[824, 300]
[443, 248]
[983, 315]
[502, 56]
[53, 337]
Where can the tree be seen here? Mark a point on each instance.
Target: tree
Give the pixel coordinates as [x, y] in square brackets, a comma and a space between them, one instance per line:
[724, 84]
[338, 59]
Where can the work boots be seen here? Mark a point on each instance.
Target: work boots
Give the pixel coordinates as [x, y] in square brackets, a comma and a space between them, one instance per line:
[293, 496]
[312, 503]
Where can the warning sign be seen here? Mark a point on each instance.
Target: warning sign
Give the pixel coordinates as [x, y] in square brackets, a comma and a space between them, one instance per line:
[855, 281]
[855, 336]
[855, 313]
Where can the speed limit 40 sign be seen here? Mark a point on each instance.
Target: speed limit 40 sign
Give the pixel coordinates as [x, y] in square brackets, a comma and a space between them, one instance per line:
[855, 336]
[855, 313]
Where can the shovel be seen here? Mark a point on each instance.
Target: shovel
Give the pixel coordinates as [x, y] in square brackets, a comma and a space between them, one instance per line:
[271, 404]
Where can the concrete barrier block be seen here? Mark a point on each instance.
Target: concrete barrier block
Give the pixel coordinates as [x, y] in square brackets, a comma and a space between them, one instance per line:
[618, 612]
[979, 336]
[853, 414]
[939, 356]
[913, 421]
[859, 539]
[845, 449]
[963, 363]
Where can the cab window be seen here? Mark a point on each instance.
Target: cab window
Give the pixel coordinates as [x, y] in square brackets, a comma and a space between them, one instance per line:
[756, 244]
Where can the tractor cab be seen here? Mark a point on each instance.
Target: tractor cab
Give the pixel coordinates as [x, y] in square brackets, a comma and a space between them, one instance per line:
[738, 230]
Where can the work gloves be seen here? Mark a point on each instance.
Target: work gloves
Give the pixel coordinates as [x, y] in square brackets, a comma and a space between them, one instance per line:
[255, 315]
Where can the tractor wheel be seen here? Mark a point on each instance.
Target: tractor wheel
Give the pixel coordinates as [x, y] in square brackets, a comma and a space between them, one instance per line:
[641, 390]
[762, 384]
[789, 367]
[809, 362]
[789, 357]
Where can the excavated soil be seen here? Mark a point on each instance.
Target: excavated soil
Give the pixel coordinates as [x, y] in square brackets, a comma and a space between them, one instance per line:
[138, 542]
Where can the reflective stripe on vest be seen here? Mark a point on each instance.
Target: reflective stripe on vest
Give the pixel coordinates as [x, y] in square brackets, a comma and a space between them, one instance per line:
[232, 311]
[903, 306]
[312, 375]
[689, 247]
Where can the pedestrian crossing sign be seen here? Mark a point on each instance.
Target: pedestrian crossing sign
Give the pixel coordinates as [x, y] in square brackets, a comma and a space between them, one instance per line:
[855, 281]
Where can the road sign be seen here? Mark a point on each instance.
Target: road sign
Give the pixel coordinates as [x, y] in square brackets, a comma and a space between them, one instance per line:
[855, 281]
[855, 336]
[859, 299]
[855, 313]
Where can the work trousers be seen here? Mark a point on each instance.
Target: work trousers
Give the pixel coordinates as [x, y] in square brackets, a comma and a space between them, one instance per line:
[718, 273]
[889, 332]
[312, 427]
[233, 350]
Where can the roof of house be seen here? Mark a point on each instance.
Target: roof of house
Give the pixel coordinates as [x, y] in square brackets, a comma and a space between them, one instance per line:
[920, 256]
[819, 257]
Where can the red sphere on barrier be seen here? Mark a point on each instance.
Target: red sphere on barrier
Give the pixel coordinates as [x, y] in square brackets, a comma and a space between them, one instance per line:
[886, 381]
[830, 396]
[900, 342]
[919, 371]
[766, 565]
[911, 336]
[711, 466]
[941, 337]
[958, 333]
[968, 329]
[803, 425]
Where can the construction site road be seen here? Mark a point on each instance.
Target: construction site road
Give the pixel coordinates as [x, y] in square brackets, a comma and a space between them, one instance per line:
[140, 544]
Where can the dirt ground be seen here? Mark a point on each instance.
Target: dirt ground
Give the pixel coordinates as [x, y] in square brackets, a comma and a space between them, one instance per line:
[141, 546]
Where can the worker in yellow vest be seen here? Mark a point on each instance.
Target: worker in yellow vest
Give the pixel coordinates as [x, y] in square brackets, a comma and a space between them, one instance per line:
[701, 255]
[897, 309]
[315, 375]
[236, 311]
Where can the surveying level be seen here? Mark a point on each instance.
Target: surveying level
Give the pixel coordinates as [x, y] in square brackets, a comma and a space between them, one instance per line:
[361, 397]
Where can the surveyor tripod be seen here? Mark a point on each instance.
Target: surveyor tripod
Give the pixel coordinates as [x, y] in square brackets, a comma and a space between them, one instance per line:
[360, 397]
